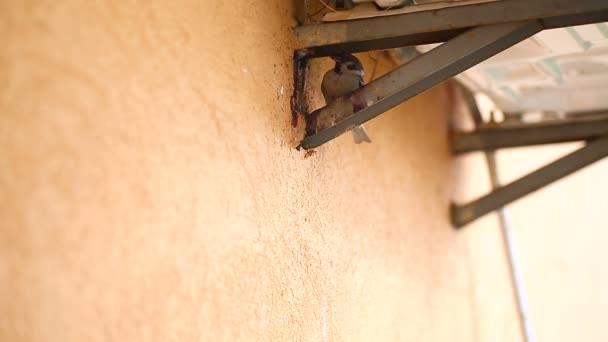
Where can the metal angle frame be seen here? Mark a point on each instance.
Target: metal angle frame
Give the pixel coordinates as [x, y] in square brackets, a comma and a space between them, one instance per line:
[422, 73]
[592, 128]
[474, 33]
[503, 195]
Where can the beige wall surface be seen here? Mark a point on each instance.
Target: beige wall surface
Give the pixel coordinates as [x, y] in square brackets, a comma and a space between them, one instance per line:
[149, 190]
[562, 238]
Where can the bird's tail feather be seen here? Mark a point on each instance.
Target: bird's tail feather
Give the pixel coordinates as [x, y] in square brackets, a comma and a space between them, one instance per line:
[360, 135]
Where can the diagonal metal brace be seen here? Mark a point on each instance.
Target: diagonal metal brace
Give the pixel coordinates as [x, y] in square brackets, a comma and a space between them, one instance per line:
[419, 75]
[501, 196]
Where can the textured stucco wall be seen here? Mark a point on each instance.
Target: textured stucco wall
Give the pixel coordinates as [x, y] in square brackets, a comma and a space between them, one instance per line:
[562, 238]
[149, 190]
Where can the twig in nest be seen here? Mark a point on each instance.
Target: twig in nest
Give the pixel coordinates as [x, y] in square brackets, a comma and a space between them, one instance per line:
[321, 9]
[326, 5]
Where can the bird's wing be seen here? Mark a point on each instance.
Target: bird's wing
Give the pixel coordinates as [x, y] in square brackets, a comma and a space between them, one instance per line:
[359, 100]
[328, 86]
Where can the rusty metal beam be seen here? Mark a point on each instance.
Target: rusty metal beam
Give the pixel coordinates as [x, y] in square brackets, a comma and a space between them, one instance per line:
[422, 73]
[440, 25]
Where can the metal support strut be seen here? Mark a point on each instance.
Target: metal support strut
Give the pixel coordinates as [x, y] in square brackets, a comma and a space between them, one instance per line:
[474, 32]
[501, 196]
[423, 73]
[592, 128]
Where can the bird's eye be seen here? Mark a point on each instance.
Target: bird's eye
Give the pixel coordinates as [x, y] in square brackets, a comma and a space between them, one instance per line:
[351, 67]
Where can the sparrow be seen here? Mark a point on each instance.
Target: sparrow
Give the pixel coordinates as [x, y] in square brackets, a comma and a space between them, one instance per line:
[342, 80]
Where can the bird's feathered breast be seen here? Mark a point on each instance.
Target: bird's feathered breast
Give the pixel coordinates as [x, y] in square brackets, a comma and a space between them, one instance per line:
[335, 85]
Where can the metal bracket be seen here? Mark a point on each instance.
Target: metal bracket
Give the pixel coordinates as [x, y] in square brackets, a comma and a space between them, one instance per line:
[474, 32]
[503, 195]
[590, 127]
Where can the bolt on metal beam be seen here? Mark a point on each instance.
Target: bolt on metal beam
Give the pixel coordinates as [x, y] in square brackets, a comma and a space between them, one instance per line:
[421, 74]
[439, 25]
[489, 139]
[501, 196]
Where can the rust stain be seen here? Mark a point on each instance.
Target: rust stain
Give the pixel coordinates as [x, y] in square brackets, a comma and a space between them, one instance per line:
[298, 100]
[309, 154]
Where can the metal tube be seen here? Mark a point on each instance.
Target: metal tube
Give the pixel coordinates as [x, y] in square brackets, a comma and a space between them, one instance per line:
[521, 298]
[422, 73]
[503, 195]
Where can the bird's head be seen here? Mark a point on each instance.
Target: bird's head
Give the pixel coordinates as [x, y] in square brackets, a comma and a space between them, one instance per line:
[348, 64]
